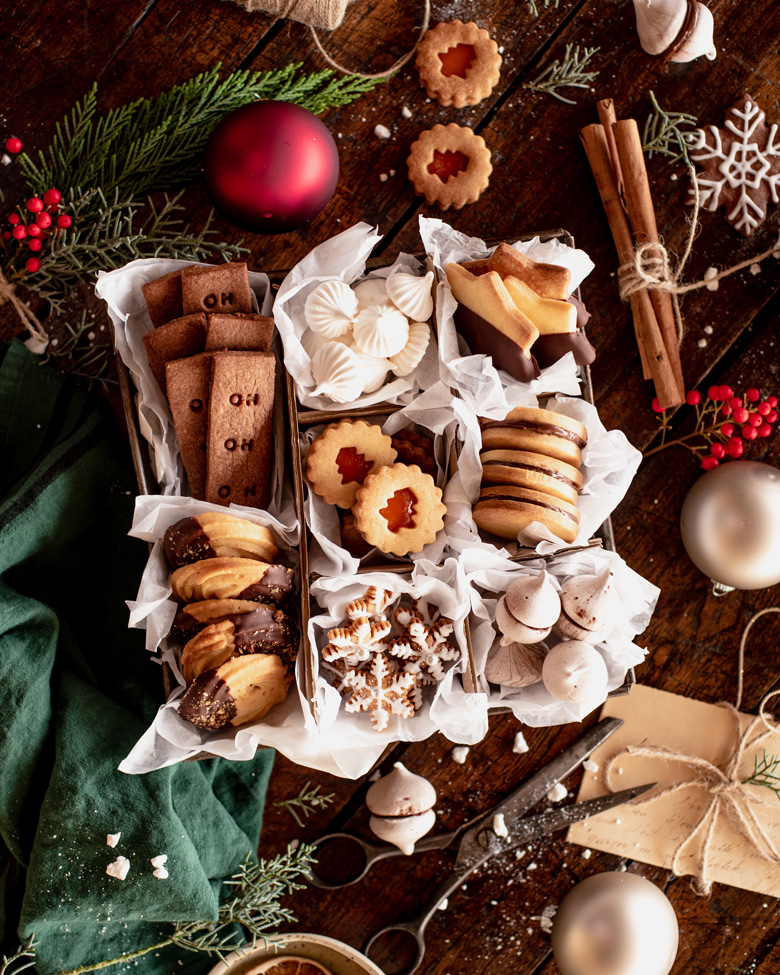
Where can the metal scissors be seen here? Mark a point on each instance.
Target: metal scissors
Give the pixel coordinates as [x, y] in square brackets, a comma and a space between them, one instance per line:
[477, 841]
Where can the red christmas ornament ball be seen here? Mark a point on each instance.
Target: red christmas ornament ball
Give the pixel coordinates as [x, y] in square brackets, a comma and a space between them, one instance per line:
[271, 167]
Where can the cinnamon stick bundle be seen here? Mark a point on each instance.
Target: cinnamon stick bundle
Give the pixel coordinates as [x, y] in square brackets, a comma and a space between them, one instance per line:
[614, 152]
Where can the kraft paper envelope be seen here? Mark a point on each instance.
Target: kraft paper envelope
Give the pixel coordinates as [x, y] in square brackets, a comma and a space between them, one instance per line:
[652, 832]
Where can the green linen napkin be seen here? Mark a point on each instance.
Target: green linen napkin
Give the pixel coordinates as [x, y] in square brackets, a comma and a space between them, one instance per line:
[77, 690]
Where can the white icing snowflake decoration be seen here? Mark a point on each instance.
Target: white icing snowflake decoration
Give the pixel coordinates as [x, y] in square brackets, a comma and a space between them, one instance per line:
[739, 165]
[381, 692]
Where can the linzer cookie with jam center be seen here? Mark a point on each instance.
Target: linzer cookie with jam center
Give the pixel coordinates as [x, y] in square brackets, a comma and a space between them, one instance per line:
[458, 63]
[399, 509]
[231, 578]
[215, 534]
[449, 165]
[223, 288]
[342, 456]
[240, 428]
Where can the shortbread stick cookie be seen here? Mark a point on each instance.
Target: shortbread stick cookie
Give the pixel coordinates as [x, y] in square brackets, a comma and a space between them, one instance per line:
[231, 579]
[163, 298]
[505, 510]
[240, 333]
[458, 63]
[240, 432]
[224, 288]
[547, 280]
[188, 386]
[487, 296]
[242, 689]
[216, 534]
[182, 337]
[449, 165]
[253, 624]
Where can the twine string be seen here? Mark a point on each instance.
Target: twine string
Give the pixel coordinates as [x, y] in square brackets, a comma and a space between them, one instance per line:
[728, 795]
[30, 322]
[651, 269]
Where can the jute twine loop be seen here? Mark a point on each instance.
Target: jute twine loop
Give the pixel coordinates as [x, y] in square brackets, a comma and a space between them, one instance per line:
[651, 268]
[728, 795]
[30, 322]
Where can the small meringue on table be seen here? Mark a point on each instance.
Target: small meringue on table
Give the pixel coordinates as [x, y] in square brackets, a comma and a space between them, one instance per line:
[401, 804]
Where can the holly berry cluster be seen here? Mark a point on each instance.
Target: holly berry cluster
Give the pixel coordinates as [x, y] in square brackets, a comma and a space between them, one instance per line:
[724, 422]
[30, 225]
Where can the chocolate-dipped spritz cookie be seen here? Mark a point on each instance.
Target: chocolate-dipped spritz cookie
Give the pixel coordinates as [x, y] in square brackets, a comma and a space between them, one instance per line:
[214, 535]
[231, 578]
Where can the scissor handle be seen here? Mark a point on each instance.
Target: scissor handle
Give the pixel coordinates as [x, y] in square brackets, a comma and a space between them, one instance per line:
[415, 929]
[371, 852]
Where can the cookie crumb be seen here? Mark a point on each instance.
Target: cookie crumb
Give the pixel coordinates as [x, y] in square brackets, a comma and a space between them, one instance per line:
[294, 844]
[119, 868]
[460, 753]
[405, 111]
[702, 343]
[112, 839]
[755, 269]
[709, 274]
[520, 745]
[708, 330]
[159, 861]
[499, 826]
[383, 177]
[590, 766]
[5, 159]
[587, 854]
[444, 905]
[381, 132]
[375, 776]
[161, 873]
[558, 792]
[546, 917]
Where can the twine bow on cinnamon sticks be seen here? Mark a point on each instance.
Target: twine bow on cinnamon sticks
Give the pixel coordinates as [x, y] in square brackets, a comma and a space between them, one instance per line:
[614, 151]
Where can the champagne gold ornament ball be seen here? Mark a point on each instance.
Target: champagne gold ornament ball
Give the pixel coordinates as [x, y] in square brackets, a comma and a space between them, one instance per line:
[615, 924]
[730, 525]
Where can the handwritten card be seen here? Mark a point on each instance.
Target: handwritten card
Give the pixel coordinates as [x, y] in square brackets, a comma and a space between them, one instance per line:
[653, 831]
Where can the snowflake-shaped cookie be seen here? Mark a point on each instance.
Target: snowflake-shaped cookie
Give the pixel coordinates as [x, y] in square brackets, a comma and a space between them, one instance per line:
[357, 643]
[739, 165]
[420, 609]
[424, 646]
[371, 603]
[381, 692]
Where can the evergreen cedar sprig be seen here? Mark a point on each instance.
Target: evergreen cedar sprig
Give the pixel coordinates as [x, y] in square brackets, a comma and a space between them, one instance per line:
[533, 7]
[569, 73]
[665, 133]
[307, 800]
[156, 143]
[766, 773]
[723, 422]
[22, 959]
[251, 910]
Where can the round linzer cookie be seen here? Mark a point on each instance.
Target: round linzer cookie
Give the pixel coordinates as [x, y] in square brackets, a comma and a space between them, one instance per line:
[342, 457]
[458, 63]
[537, 431]
[240, 690]
[227, 578]
[505, 510]
[399, 509]
[449, 165]
[214, 535]
[538, 472]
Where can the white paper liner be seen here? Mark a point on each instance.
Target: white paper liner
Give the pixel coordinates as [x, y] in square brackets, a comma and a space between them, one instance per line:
[609, 463]
[344, 257]
[488, 391]
[121, 290]
[534, 705]
[289, 726]
[433, 411]
[447, 708]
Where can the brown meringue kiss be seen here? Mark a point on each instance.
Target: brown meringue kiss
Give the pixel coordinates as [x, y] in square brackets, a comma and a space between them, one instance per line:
[515, 664]
[575, 672]
[401, 806]
[588, 607]
[675, 30]
[529, 609]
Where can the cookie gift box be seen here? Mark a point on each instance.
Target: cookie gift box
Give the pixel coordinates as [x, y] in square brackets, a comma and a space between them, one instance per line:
[288, 506]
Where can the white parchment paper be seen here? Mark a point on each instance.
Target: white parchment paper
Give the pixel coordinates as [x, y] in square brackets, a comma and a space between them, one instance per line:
[344, 257]
[488, 391]
[609, 463]
[534, 705]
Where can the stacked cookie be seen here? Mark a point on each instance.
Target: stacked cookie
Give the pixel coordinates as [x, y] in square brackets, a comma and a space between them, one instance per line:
[396, 507]
[518, 311]
[530, 472]
[239, 644]
[212, 357]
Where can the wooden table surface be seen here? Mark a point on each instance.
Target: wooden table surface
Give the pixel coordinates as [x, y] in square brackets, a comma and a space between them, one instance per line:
[53, 51]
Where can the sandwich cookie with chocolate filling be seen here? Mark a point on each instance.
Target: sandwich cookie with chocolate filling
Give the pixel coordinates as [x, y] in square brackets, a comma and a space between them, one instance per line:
[505, 510]
[538, 472]
[538, 431]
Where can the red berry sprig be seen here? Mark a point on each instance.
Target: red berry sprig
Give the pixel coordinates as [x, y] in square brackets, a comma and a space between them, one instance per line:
[724, 422]
[32, 223]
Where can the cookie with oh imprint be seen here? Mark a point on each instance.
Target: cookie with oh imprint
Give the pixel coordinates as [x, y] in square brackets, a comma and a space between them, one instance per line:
[215, 534]
[231, 578]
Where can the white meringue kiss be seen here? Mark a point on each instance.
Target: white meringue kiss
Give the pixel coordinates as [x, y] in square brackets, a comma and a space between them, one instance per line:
[412, 294]
[331, 308]
[337, 373]
[381, 331]
[372, 291]
[373, 370]
[312, 342]
[411, 354]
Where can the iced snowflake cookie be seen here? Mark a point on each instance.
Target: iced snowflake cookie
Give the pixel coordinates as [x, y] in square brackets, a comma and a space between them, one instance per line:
[458, 63]
[357, 643]
[381, 692]
[341, 458]
[424, 647]
[399, 509]
[449, 165]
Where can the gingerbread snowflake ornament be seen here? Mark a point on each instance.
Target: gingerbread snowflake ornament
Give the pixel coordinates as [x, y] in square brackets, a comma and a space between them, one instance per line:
[739, 165]
[381, 692]
[370, 604]
[357, 643]
[424, 647]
